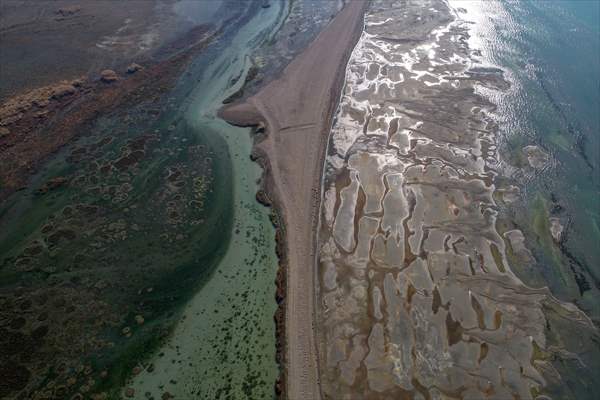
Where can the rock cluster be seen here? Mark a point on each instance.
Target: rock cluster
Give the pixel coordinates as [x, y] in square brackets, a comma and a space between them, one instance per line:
[68, 11]
[15, 108]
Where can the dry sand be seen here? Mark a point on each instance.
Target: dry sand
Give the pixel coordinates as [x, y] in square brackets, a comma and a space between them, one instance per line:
[297, 111]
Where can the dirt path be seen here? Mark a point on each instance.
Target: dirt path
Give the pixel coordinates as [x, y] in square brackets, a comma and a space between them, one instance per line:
[297, 110]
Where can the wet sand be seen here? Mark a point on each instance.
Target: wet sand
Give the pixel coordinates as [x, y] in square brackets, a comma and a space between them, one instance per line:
[297, 111]
[417, 297]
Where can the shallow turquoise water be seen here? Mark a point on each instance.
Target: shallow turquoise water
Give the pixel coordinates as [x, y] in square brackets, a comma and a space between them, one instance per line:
[224, 344]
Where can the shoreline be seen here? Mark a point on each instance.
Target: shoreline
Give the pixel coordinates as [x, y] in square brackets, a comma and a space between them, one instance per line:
[303, 131]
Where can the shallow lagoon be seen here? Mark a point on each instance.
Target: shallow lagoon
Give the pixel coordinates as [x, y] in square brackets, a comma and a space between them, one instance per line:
[142, 241]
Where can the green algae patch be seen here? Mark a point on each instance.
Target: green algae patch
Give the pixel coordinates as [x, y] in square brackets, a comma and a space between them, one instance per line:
[560, 141]
[514, 154]
[540, 223]
[497, 258]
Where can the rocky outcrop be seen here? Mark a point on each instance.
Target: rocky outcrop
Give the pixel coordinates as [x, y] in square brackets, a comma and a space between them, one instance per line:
[29, 131]
[61, 91]
[263, 198]
[536, 157]
[16, 107]
[108, 76]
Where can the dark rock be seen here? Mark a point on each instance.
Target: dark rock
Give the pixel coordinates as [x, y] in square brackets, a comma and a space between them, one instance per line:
[39, 332]
[52, 184]
[17, 323]
[130, 159]
[60, 392]
[13, 378]
[263, 198]
[34, 249]
[133, 68]
[68, 11]
[66, 234]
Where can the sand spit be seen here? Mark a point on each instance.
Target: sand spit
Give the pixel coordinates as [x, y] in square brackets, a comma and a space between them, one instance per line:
[297, 112]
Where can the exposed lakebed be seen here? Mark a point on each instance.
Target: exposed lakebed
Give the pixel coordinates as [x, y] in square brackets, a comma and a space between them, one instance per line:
[420, 274]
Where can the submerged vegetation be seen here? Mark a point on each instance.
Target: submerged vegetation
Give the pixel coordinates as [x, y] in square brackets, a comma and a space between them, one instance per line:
[114, 235]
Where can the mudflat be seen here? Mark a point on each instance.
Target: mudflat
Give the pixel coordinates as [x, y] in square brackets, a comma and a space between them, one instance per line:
[297, 111]
[419, 293]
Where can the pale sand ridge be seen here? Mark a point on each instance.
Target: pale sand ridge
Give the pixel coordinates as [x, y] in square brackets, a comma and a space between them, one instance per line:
[297, 110]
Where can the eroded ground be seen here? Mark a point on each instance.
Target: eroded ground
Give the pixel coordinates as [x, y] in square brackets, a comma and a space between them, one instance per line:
[417, 298]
